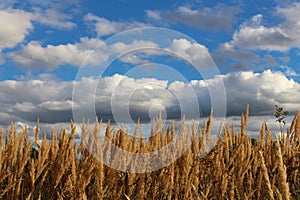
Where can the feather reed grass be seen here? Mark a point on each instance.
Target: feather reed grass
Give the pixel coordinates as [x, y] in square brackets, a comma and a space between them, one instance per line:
[235, 168]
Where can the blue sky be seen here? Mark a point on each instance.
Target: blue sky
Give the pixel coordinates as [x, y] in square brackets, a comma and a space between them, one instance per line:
[253, 50]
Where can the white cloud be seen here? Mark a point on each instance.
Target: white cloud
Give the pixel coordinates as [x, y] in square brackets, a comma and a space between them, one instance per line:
[54, 18]
[284, 59]
[187, 11]
[292, 16]
[270, 60]
[227, 51]
[7, 4]
[264, 94]
[181, 48]
[192, 52]
[25, 107]
[133, 59]
[34, 55]
[7, 118]
[121, 47]
[51, 101]
[57, 105]
[15, 26]
[137, 52]
[219, 18]
[254, 35]
[288, 71]
[104, 27]
[27, 100]
[251, 35]
[153, 14]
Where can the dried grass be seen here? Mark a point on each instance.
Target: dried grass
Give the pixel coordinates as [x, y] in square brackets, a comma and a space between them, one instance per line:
[236, 168]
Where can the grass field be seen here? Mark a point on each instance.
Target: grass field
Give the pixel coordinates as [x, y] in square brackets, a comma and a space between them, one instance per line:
[237, 167]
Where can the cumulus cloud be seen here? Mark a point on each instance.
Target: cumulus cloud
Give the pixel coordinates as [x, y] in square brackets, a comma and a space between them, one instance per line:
[34, 55]
[227, 52]
[254, 35]
[29, 100]
[288, 71]
[51, 101]
[104, 27]
[7, 4]
[89, 51]
[192, 52]
[214, 19]
[140, 52]
[253, 126]
[284, 59]
[260, 92]
[270, 60]
[121, 47]
[54, 18]
[153, 14]
[135, 59]
[57, 105]
[187, 11]
[16, 25]
[25, 107]
[291, 15]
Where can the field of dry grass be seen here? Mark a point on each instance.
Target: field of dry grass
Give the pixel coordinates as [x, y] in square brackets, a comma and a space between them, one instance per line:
[237, 167]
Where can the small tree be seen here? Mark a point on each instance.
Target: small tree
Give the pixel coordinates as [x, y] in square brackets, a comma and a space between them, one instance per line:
[280, 116]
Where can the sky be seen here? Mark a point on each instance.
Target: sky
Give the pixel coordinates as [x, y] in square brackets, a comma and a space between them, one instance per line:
[123, 60]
